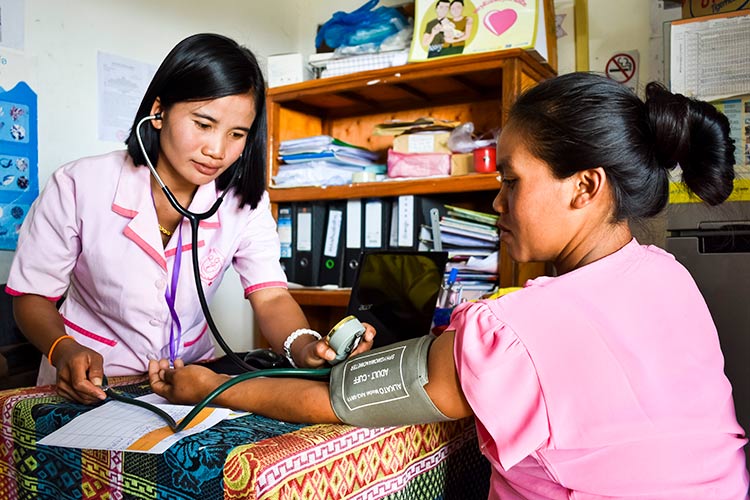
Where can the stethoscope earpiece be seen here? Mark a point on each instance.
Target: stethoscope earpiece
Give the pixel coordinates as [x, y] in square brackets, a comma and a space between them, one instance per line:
[157, 116]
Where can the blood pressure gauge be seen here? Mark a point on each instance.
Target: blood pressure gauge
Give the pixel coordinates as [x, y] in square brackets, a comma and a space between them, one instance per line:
[344, 337]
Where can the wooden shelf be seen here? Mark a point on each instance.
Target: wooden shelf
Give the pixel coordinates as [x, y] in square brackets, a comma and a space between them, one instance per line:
[462, 184]
[321, 297]
[464, 79]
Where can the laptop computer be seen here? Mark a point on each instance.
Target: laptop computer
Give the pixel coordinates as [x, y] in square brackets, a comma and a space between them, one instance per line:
[396, 292]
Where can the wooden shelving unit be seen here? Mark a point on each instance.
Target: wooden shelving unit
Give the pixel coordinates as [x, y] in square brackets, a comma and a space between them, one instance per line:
[478, 88]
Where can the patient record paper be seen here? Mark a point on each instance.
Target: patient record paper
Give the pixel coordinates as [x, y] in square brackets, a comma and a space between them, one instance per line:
[121, 426]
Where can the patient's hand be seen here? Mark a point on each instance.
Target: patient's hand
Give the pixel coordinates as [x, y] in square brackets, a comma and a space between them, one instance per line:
[182, 384]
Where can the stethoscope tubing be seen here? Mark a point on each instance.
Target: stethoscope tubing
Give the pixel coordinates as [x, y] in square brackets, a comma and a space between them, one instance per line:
[310, 373]
[194, 219]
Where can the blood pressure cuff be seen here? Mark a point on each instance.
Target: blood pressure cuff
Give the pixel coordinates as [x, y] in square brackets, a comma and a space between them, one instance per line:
[385, 386]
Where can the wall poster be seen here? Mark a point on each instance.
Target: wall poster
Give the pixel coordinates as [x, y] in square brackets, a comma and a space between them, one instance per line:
[454, 27]
[19, 179]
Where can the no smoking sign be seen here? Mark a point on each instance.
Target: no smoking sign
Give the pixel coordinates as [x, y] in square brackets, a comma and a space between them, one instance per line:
[623, 68]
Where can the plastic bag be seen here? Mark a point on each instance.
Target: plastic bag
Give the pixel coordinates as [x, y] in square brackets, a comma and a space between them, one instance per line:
[462, 139]
[361, 26]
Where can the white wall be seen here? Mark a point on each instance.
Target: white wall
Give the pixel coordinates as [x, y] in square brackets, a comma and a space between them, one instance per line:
[59, 61]
[620, 26]
[627, 25]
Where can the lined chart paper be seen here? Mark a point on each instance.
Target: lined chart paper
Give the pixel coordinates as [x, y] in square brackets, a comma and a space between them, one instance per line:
[709, 57]
[121, 426]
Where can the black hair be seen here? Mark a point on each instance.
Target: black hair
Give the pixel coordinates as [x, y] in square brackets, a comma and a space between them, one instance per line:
[580, 121]
[209, 66]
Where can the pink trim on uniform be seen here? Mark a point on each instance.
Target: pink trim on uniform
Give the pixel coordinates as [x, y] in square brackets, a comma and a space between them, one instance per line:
[268, 284]
[145, 247]
[209, 225]
[124, 211]
[185, 248]
[16, 293]
[87, 333]
[196, 339]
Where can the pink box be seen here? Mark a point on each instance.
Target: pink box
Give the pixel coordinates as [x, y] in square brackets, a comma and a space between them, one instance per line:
[418, 164]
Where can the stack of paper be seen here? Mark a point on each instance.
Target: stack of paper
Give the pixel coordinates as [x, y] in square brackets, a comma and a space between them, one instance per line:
[322, 161]
[471, 240]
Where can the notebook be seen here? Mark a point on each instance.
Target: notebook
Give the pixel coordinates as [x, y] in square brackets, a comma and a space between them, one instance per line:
[396, 292]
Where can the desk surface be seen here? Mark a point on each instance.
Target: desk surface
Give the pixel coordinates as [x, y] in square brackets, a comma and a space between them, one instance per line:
[249, 457]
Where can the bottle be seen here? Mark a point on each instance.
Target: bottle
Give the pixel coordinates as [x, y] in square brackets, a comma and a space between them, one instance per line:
[448, 298]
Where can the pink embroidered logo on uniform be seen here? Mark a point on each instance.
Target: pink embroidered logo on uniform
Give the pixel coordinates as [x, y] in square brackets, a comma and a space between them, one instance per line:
[211, 264]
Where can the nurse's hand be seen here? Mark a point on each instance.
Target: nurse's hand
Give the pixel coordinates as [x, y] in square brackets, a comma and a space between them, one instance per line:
[317, 353]
[79, 373]
[186, 385]
[365, 344]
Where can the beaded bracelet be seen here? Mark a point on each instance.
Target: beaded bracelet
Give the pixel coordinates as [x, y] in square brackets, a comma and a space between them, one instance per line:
[294, 336]
[54, 344]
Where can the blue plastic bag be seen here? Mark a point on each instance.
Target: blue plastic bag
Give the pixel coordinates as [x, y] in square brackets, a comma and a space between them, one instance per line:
[360, 26]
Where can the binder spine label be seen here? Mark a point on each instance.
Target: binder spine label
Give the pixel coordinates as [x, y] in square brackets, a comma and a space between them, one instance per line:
[285, 232]
[406, 221]
[333, 233]
[354, 224]
[373, 225]
[304, 231]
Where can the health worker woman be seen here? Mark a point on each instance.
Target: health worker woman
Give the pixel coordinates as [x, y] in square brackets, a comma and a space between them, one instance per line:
[104, 235]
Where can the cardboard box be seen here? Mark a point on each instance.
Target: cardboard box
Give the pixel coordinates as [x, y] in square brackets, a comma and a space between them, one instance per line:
[696, 8]
[418, 164]
[422, 142]
[462, 163]
[285, 69]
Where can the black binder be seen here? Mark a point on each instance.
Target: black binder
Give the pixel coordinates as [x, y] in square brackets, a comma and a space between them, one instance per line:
[332, 254]
[287, 239]
[309, 224]
[353, 231]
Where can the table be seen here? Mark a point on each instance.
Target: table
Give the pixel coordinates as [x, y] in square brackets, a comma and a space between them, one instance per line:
[250, 457]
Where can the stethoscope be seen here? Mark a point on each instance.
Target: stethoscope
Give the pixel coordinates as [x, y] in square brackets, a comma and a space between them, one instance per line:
[194, 219]
[348, 331]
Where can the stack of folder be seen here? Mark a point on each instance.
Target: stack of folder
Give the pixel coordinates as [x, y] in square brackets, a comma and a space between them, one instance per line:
[322, 160]
[471, 239]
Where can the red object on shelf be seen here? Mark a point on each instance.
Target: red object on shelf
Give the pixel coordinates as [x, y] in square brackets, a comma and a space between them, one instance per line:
[484, 160]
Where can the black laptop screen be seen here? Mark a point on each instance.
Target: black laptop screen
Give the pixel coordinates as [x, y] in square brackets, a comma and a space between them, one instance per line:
[396, 292]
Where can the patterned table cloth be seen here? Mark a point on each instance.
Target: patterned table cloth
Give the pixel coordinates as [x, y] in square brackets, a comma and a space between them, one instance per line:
[250, 457]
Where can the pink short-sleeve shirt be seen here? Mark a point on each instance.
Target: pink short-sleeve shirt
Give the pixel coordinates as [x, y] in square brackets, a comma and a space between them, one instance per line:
[605, 382]
[93, 233]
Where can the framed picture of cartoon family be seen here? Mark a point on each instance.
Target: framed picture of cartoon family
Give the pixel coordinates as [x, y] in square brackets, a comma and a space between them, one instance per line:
[444, 28]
